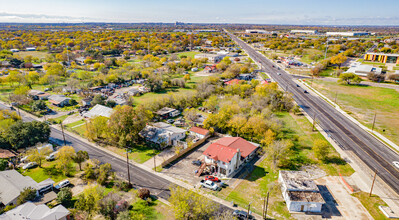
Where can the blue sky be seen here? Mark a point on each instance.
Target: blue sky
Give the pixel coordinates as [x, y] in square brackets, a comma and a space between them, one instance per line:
[338, 12]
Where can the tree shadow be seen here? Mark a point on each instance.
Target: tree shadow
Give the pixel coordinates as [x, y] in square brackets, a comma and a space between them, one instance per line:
[335, 160]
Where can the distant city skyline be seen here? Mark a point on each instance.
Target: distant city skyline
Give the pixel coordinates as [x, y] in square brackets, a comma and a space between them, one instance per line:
[305, 12]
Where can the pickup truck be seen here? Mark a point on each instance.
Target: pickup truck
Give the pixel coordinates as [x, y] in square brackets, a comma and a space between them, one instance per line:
[209, 184]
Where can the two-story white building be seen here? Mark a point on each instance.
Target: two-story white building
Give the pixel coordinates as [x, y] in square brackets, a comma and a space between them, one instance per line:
[228, 154]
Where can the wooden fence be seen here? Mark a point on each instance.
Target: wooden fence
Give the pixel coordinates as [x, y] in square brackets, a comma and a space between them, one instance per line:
[184, 151]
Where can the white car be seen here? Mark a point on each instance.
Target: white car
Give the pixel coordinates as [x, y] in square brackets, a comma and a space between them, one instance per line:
[396, 163]
[29, 165]
[24, 159]
[51, 156]
[62, 184]
[209, 184]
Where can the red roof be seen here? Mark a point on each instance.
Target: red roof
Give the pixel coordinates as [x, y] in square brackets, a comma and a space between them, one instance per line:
[233, 81]
[225, 148]
[220, 152]
[199, 130]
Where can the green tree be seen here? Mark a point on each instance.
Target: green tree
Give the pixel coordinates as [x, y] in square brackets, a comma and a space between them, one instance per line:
[338, 60]
[348, 78]
[26, 134]
[27, 194]
[107, 206]
[37, 156]
[190, 205]
[65, 156]
[38, 105]
[321, 149]
[64, 196]
[3, 164]
[80, 157]
[277, 150]
[87, 201]
[104, 171]
[98, 99]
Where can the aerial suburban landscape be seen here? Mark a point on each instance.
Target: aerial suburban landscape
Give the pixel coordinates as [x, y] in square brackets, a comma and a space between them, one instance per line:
[232, 110]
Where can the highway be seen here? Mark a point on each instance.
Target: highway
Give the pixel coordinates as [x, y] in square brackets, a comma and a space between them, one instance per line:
[349, 136]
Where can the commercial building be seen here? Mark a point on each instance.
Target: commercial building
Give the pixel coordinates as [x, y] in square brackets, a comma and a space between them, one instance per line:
[300, 192]
[213, 58]
[382, 57]
[348, 34]
[228, 155]
[257, 32]
[304, 32]
[363, 70]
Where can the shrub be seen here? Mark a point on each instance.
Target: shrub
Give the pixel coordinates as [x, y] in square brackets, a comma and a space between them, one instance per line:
[64, 196]
[143, 193]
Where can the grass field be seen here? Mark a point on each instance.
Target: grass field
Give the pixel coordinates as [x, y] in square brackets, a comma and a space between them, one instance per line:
[371, 204]
[77, 127]
[38, 54]
[362, 102]
[148, 97]
[188, 54]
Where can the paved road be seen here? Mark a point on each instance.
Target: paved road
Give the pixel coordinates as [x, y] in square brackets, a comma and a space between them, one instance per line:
[139, 177]
[348, 135]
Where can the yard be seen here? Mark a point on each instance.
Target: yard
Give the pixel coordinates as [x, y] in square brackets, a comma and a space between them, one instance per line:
[149, 97]
[47, 170]
[38, 54]
[187, 54]
[140, 153]
[363, 102]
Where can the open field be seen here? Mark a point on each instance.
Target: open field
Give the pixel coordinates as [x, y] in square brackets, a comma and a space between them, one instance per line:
[38, 54]
[156, 95]
[140, 153]
[362, 102]
[188, 54]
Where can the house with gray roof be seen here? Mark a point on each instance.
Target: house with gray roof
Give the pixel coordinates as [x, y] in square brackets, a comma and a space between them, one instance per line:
[31, 211]
[16, 183]
[59, 100]
[163, 134]
[98, 110]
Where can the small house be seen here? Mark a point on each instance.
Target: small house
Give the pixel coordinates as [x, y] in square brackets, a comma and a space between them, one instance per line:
[32, 211]
[199, 132]
[98, 110]
[36, 95]
[163, 134]
[167, 112]
[86, 101]
[59, 100]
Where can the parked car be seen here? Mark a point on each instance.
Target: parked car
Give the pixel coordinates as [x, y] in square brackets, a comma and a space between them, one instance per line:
[51, 156]
[196, 162]
[297, 85]
[305, 91]
[170, 121]
[209, 184]
[29, 165]
[279, 74]
[24, 159]
[242, 214]
[212, 178]
[62, 184]
[396, 163]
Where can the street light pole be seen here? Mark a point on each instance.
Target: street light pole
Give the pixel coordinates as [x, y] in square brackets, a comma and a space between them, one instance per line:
[155, 166]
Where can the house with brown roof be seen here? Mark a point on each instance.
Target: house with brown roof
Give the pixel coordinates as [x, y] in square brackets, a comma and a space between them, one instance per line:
[199, 132]
[6, 154]
[228, 155]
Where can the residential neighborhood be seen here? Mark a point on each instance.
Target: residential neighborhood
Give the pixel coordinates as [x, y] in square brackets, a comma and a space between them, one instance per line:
[154, 110]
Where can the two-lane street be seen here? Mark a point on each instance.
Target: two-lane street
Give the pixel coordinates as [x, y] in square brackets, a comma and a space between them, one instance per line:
[376, 155]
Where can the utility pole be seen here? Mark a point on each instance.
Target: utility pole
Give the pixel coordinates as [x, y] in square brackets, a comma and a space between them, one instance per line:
[375, 115]
[314, 121]
[267, 204]
[155, 166]
[63, 135]
[325, 54]
[264, 207]
[128, 169]
[249, 207]
[372, 185]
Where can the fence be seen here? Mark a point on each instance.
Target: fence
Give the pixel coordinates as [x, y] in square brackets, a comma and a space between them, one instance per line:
[184, 151]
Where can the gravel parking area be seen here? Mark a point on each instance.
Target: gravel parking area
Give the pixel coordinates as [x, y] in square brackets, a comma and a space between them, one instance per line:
[183, 170]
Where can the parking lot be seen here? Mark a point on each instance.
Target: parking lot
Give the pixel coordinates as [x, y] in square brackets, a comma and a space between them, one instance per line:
[183, 169]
